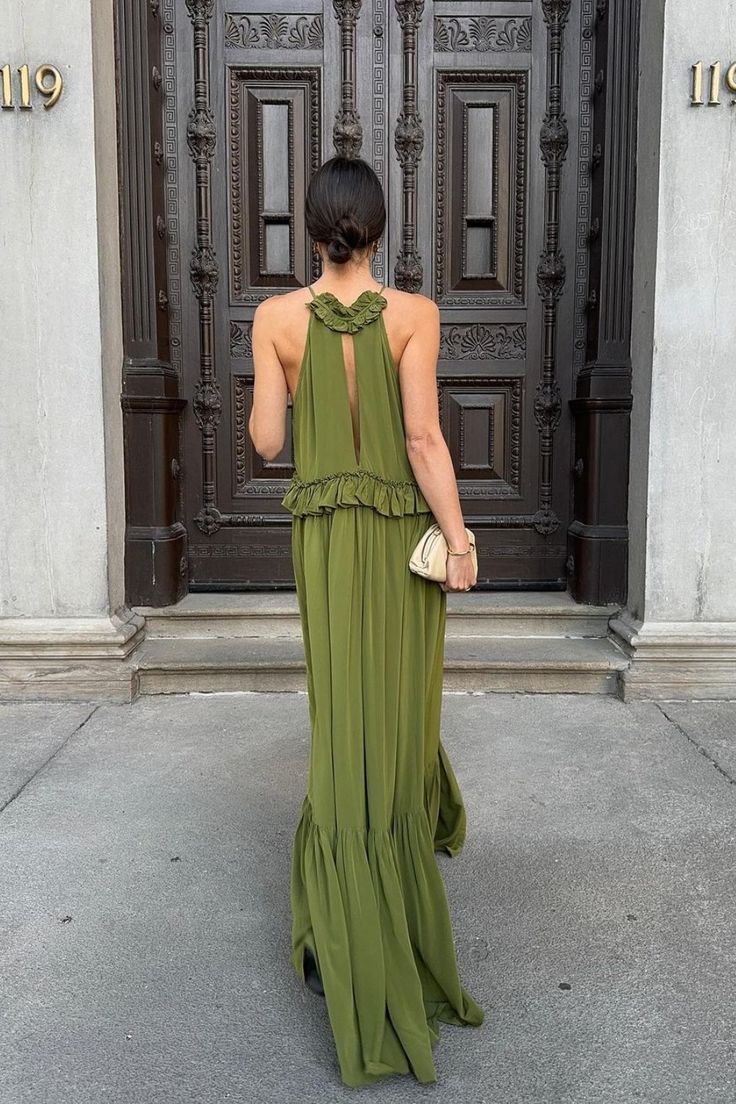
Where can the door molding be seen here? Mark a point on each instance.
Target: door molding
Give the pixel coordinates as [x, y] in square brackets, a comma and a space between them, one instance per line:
[155, 538]
[598, 539]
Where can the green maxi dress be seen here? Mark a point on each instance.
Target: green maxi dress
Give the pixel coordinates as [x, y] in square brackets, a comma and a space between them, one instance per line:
[367, 896]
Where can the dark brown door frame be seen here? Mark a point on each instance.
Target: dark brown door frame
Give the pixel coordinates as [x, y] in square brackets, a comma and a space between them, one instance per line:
[598, 536]
[155, 539]
[156, 559]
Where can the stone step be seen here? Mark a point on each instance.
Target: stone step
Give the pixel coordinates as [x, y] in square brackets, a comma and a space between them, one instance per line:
[584, 665]
[538, 614]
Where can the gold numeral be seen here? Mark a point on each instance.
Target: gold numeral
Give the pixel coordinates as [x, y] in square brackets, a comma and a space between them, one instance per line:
[697, 93]
[715, 85]
[731, 78]
[7, 87]
[51, 91]
[25, 87]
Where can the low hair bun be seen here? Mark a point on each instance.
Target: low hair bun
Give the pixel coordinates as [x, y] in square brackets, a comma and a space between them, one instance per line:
[339, 251]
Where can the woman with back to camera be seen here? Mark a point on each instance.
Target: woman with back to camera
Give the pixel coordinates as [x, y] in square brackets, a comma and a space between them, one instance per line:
[371, 929]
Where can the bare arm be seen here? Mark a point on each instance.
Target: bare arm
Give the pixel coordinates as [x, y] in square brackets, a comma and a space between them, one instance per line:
[426, 447]
[267, 422]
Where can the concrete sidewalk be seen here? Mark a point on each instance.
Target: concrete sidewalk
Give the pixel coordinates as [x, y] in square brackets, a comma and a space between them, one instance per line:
[144, 919]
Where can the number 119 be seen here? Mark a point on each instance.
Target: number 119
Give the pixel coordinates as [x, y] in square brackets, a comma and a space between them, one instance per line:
[714, 84]
[48, 81]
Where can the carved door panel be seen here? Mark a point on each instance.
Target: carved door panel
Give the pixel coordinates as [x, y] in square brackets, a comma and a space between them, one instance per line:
[491, 217]
[459, 109]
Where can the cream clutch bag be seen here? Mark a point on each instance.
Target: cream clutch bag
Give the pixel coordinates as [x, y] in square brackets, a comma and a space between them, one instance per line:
[429, 558]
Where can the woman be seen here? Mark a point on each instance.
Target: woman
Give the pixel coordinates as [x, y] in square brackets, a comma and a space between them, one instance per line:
[371, 929]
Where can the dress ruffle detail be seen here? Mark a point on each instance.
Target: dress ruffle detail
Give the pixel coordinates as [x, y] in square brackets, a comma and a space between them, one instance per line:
[371, 906]
[360, 487]
[347, 318]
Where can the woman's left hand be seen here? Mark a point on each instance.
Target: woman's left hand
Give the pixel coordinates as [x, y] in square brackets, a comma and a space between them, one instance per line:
[461, 575]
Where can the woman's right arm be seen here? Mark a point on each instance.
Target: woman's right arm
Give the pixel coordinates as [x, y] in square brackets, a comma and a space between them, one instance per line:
[426, 447]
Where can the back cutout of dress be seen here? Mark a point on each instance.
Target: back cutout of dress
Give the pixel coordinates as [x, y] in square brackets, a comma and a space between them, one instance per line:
[351, 378]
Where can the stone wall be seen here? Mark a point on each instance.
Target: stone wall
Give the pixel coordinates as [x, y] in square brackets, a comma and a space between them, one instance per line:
[682, 503]
[61, 471]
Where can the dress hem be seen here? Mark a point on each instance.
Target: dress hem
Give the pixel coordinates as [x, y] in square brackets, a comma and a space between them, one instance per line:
[370, 904]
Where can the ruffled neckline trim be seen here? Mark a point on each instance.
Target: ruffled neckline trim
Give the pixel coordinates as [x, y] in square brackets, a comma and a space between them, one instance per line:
[345, 318]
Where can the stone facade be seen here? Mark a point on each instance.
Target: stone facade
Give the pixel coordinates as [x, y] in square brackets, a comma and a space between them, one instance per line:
[680, 621]
[64, 627]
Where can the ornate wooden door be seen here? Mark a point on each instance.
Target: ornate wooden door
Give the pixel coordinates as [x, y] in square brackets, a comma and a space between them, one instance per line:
[466, 112]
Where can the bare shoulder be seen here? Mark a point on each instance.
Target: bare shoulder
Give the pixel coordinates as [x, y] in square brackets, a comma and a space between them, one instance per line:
[279, 326]
[280, 309]
[413, 308]
[410, 302]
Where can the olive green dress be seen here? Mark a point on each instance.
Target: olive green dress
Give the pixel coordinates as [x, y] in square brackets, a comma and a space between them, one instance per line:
[367, 895]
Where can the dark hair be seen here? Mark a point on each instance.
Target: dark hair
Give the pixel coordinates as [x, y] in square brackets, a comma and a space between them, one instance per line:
[345, 208]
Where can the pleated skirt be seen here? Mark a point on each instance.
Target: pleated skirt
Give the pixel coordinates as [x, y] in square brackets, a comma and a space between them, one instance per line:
[367, 896]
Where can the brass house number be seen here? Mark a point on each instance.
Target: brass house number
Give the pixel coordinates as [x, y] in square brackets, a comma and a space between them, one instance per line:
[713, 81]
[15, 91]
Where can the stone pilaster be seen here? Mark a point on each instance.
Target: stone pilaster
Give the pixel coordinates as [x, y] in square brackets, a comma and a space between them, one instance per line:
[64, 628]
[679, 626]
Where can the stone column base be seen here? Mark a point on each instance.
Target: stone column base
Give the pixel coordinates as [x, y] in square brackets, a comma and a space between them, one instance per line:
[67, 658]
[680, 660]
